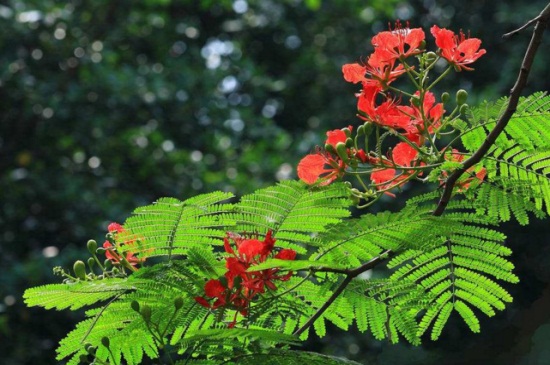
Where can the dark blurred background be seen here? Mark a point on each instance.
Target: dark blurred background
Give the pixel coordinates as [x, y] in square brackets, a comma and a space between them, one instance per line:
[107, 105]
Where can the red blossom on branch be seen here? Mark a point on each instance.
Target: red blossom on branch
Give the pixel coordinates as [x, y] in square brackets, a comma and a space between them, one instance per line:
[457, 49]
[120, 241]
[239, 286]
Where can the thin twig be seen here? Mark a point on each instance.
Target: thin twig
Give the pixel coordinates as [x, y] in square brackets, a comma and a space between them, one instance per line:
[544, 13]
[515, 93]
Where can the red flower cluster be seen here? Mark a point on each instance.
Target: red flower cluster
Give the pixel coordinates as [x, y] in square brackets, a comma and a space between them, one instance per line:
[237, 288]
[415, 122]
[326, 166]
[110, 250]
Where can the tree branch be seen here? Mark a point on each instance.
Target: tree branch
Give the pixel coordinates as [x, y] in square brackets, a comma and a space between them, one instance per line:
[515, 93]
[350, 275]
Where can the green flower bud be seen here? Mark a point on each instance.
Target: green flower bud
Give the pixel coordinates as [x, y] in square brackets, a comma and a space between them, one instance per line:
[445, 97]
[330, 148]
[347, 131]
[360, 130]
[461, 96]
[342, 151]
[80, 269]
[178, 303]
[91, 350]
[135, 305]
[105, 342]
[92, 246]
[368, 128]
[146, 312]
[100, 251]
[415, 100]
[464, 109]
[91, 263]
[422, 45]
[349, 143]
[107, 264]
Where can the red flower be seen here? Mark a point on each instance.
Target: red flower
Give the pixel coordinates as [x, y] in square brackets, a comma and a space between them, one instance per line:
[240, 286]
[111, 251]
[403, 155]
[320, 167]
[336, 136]
[387, 114]
[430, 111]
[399, 43]
[457, 49]
[115, 227]
[378, 71]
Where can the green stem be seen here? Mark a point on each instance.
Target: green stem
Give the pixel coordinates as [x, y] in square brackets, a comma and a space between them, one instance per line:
[445, 73]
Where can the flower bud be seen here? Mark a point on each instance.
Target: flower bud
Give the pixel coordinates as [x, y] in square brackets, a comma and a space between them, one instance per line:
[360, 130]
[445, 97]
[464, 109]
[135, 305]
[92, 246]
[100, 251]
[178, 303]
[461, 96]
[146, 312]
[415, 100]
[105, 341]
[330, 148]
[91, 263]
[368, 127]
[349, 143]
[107, 264]
[342, 151]
[80, 269]
[422, 45]
[347, 131]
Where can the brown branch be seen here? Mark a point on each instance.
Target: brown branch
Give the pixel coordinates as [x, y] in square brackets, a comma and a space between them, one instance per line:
[350, 275]
[541, 22]
[515, 93]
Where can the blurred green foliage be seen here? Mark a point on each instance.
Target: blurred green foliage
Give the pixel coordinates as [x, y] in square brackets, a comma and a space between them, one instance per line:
[108, 105]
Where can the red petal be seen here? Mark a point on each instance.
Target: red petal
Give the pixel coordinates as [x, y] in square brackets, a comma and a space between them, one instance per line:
[354, 72]
[251, 248]
[286, 254]
[444, 39]
[382, 176]
[214, 288]
[202, 302]
[311, 167]
[403, 154]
